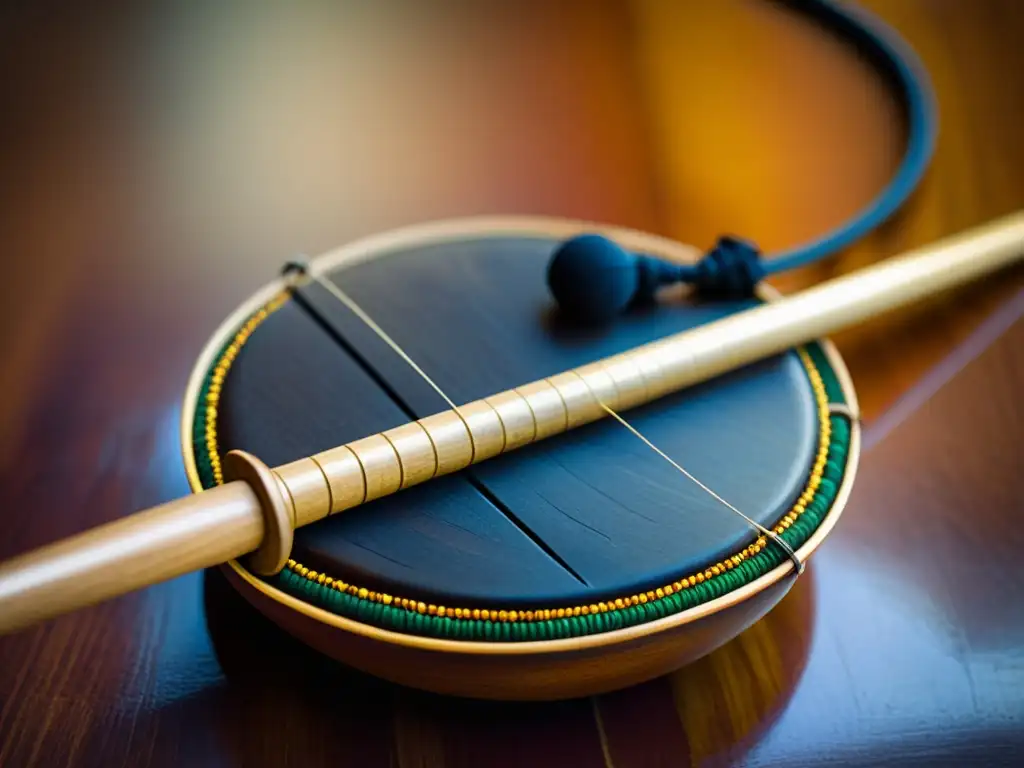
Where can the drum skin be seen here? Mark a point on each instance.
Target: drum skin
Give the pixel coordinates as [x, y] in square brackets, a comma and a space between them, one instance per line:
[581, 519]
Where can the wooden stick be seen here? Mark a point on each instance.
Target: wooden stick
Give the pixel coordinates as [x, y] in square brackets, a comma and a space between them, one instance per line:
[256, 510]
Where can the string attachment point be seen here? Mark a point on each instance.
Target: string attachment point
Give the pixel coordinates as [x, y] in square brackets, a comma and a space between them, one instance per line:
[798, 564]
[296, 270]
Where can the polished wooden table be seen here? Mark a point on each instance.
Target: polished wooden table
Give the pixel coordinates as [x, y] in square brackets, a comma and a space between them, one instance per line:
[161, 160]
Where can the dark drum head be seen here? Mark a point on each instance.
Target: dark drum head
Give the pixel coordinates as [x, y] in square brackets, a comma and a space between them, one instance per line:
[575, 522]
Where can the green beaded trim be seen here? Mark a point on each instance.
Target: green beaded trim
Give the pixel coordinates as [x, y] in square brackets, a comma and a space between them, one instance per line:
[203, 457]
[399, 619]
[833, 388]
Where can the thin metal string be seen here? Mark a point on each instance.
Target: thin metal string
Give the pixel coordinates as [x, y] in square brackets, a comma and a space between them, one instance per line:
[358, 311]
[767, 532]
[345, 299]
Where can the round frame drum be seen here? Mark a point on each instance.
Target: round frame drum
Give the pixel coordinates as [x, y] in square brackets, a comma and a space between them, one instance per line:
[579, 564]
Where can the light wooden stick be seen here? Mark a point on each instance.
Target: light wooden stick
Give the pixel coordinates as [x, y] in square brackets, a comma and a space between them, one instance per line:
[256, 510]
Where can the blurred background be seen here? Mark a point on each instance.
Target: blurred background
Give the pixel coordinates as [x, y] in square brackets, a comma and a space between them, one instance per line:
[159, 161]
[185, 150]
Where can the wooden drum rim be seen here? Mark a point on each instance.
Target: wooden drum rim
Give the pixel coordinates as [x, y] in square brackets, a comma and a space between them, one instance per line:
[378, 245]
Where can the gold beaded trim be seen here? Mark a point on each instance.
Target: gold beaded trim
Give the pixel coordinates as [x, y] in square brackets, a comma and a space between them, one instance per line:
[220, 372]
[546, 614]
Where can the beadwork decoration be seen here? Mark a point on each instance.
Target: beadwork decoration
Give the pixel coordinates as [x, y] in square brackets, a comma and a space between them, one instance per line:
[407, 614]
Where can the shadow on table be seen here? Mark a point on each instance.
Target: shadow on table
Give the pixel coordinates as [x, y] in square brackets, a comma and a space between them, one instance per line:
[709, 713]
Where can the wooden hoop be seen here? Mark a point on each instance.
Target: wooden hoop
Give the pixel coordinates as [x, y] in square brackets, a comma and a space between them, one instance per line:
[544, 669]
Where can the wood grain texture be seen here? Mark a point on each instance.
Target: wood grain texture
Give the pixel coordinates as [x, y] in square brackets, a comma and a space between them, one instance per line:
[160, 161]
[154, 545]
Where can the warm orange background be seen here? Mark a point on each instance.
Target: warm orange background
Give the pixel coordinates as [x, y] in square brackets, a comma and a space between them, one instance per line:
[161, 160]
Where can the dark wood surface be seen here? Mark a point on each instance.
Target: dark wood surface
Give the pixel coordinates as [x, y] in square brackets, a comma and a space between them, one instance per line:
[161, 160]
[580, 518]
